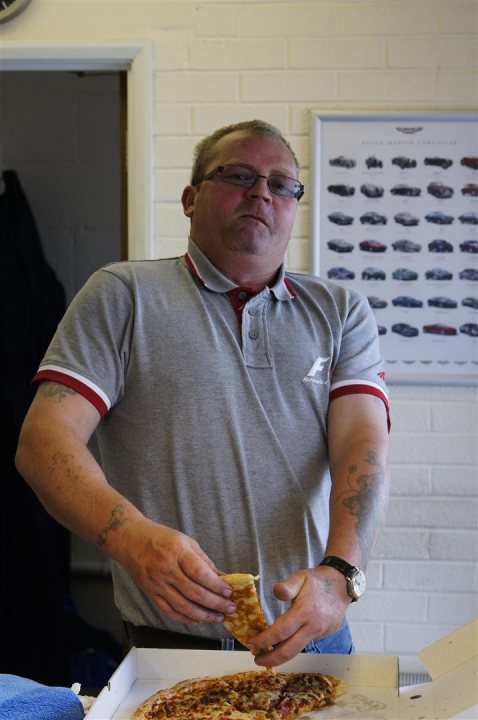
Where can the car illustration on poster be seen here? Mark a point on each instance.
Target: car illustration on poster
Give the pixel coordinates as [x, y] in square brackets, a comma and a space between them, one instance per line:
[468, 274]
[373, 218]
[443, 163]
[439, 218]
[404, 330]
[405, 274]
[438, 274]
[470, 162]
[371, 191]
[469, 218]
[340, 246]
[440, 246]
[404, 163]
[470, 189]
[339, 218]
[405, 190]
[373, 162]
[471, 302]
[442, 302]
[371, 273]
[406, 246]
[376, 303]
[470, 246]
[469, 329]
[407, 301]
[372, 246]
[342, 162]
[342, 190]
[340, 273]
[439, 329]
[440, 190]
[406, 219]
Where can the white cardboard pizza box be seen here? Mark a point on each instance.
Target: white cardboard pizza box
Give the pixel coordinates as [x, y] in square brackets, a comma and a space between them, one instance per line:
[372, 680]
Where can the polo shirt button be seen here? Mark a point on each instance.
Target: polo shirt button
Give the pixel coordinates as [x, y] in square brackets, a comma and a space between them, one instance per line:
[242, 295]
[253, 334]
[252, 311]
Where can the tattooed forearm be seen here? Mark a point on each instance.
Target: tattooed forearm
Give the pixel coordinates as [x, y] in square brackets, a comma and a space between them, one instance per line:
[60, 467]
[55, 390]
[365, 500]
[118, 518]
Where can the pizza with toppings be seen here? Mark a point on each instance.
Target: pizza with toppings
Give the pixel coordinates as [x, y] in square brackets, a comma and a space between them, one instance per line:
[254, 694]
[247, 620]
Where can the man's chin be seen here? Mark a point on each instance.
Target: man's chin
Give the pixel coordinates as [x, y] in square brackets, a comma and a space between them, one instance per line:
[253, 241]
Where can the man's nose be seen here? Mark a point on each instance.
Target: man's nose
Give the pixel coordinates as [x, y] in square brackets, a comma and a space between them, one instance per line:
[260, 188]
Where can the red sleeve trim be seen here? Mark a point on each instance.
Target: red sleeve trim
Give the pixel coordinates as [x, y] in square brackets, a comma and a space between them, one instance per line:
[358, 389]
[77, 385]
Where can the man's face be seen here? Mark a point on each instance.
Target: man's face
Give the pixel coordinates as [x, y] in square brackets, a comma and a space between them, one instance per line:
[230, 221]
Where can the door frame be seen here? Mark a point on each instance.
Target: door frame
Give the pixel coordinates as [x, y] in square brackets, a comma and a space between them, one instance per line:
[136, 58]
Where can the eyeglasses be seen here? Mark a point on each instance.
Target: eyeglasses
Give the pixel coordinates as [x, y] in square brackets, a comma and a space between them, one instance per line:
[247, 177]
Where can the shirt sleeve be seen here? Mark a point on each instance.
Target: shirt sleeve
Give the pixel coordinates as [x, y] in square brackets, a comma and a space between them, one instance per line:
[359, 367]
[90, 350]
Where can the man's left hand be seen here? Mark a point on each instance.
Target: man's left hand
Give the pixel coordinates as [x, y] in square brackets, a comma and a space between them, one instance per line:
[319, 601]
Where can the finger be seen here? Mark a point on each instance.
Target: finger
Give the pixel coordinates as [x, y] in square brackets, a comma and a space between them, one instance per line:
[191, 612]
[284, 651]
[288, 589]
[166, 608]
[198, 596]
[203, 575]
[285, 627]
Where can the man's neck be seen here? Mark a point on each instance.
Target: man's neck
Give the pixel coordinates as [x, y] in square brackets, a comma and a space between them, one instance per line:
[245, 269]
[248, 271]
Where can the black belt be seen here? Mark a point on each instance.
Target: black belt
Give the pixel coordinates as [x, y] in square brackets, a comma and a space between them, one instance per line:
[149, 637]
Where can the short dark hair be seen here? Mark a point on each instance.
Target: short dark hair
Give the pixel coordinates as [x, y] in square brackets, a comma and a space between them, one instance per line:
[205, 149]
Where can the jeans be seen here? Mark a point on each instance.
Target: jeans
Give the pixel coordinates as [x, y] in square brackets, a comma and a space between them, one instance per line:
[340, 642]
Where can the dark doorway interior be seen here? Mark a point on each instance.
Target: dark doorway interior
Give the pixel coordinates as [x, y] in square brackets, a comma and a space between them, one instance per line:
[61, 145]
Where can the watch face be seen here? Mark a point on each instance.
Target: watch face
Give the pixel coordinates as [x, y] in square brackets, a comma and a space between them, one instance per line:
[358, 583]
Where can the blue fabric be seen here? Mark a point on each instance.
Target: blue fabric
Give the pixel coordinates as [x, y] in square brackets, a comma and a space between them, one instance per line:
[21, 699]
[340, 642]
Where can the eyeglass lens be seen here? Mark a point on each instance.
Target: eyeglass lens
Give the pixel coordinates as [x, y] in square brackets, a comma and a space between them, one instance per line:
[247, 177]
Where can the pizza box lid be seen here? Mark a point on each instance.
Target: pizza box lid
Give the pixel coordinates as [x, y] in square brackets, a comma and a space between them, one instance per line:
[372, 680]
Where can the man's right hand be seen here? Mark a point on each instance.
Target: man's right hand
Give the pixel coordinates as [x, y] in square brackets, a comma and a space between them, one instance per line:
[176, 574]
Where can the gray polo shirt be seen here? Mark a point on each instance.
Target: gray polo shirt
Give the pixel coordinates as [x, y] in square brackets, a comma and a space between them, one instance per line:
[211, 426]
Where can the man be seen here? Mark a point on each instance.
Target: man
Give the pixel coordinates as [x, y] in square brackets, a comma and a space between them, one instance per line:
[238, 405]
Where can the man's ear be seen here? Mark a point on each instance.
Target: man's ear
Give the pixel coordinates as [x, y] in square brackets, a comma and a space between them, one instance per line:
[188, 198]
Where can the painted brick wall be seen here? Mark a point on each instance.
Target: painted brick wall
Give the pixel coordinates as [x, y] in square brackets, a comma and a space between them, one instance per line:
[218, 62]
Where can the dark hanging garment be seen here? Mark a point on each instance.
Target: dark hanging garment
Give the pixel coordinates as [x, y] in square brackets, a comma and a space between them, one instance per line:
[34, 548]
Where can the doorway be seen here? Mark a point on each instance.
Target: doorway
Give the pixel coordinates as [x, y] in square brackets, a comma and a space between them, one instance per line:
[62, 134]
[62, 142]
[80, 229]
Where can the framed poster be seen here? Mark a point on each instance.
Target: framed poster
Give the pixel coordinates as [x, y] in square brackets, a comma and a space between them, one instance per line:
[395, 215]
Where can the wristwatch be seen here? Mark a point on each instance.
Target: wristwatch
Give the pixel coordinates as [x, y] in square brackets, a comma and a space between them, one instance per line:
[355, 577]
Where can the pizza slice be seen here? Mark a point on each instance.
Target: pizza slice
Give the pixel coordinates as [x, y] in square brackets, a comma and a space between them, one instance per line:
[248, 619]
[186, 700]
[254, 694]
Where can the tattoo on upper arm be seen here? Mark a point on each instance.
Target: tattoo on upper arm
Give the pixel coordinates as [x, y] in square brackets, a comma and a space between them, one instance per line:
[55, 390]
[118, 518]
[364, 500]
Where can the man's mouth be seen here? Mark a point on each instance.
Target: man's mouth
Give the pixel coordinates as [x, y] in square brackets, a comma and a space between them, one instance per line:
[258, 218]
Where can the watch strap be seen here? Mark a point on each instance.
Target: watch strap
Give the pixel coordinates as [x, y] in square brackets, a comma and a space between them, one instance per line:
[339, 564]
[350, 573]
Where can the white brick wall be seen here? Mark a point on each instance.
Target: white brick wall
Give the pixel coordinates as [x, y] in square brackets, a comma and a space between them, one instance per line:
[427, 553]
[219, 62]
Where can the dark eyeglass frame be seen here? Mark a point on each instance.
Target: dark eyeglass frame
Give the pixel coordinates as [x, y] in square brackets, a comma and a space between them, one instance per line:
[255, 175]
